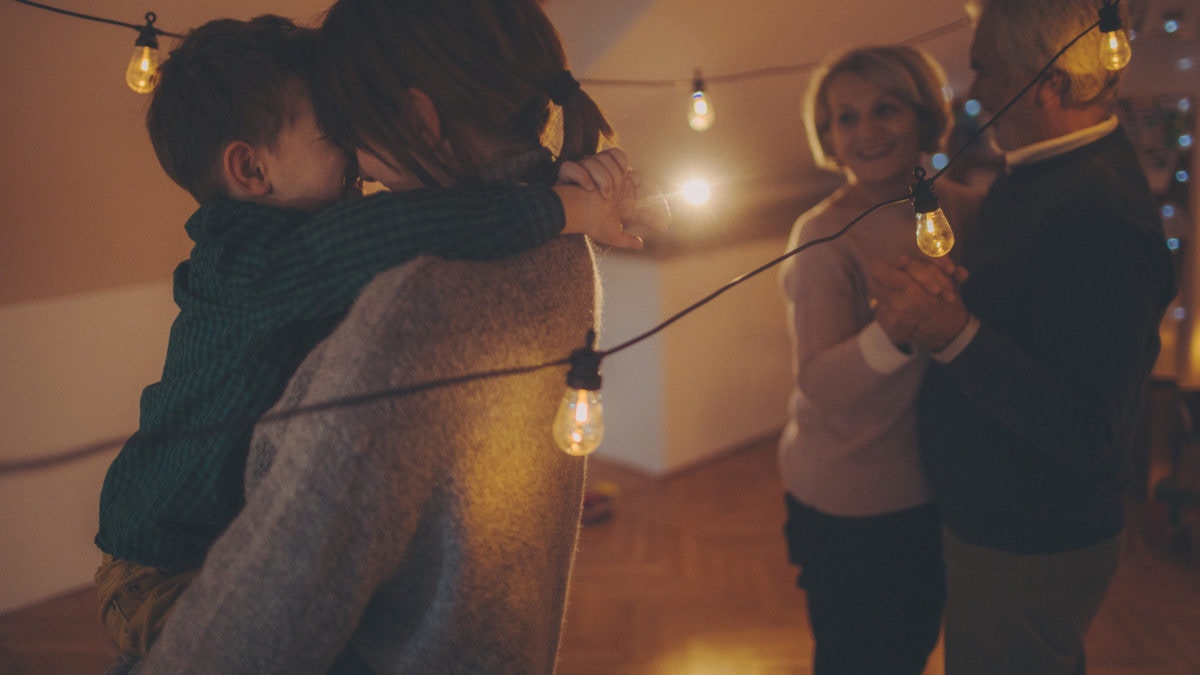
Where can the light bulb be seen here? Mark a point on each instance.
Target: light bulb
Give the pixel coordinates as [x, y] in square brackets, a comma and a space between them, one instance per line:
[140, 74]
[144, 64]
[1114, 50]
[579, 424]
[934, 236]
[696, 191]
[700, 112]
[1114, 44]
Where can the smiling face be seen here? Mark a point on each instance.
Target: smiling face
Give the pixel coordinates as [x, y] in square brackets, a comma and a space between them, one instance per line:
[872, 133]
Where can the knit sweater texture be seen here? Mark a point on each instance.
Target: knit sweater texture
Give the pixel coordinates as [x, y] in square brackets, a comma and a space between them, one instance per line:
[850, 445]
[423, 533]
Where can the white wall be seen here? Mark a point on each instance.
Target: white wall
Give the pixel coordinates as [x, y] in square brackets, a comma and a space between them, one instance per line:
[717, 378]
[71, 372]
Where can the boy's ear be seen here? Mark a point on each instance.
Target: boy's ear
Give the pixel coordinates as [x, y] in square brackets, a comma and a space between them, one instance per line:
[244, 171]
[427, 113]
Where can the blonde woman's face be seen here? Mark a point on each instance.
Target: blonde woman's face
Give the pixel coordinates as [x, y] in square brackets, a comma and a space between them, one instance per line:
[874, 134]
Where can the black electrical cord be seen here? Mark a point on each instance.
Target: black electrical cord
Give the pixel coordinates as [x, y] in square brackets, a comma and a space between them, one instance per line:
[149, 25]
[771, 71]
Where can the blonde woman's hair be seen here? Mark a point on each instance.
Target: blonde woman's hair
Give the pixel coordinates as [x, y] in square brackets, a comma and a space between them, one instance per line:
[905, 72]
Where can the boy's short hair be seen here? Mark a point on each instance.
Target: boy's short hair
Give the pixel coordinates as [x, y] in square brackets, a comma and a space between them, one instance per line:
[228, 80]
[905, 72]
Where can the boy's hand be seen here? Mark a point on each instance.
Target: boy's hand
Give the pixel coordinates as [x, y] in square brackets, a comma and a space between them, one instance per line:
[643, 206]
[607, 173]
[595, 215]
[603, 171]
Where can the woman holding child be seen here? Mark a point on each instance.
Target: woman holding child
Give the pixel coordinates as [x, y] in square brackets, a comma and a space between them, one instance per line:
[430, 532]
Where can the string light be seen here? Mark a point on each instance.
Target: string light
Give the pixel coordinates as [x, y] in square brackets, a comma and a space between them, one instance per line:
[696, 191]
[700, 111]
[143, 66]
[934, 236]
[579, 423]
[1114, 44]
[139, 75]
[578, 427]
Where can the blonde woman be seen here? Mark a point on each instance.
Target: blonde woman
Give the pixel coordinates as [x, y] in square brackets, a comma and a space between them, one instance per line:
[862, 526]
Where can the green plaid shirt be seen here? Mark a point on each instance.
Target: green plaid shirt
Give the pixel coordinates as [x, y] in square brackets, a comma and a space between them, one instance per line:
[262, 287]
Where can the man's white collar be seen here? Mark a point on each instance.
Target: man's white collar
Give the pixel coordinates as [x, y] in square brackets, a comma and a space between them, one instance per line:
[1052, 147]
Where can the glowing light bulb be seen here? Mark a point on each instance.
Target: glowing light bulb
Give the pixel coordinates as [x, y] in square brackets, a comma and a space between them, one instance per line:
[696, 191]
[1114, 44]
[144, 64]
[700, 111]
[1114, 50]
[142, 67]
[935, 238]
[579, 424]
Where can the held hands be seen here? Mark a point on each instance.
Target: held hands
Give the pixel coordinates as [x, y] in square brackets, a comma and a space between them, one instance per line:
[609, 199]
[917, 300]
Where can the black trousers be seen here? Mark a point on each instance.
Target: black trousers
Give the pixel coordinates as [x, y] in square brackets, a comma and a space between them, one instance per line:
[875, 587]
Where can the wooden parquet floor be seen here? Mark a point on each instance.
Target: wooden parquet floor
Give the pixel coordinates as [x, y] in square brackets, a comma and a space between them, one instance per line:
[689, 577]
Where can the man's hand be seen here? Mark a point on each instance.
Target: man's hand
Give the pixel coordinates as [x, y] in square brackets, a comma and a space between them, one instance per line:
[918, 302]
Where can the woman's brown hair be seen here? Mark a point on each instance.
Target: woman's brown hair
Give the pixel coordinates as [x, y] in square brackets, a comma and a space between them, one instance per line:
[487, 65]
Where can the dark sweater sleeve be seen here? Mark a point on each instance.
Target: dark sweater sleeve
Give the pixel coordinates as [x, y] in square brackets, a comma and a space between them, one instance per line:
[330, 257]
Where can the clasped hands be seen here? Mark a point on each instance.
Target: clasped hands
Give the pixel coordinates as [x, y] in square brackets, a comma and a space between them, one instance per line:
[917, 300]
[639, 207]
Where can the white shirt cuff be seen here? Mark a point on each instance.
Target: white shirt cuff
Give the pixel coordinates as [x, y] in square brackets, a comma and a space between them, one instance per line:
[959, 343]
[877, 348]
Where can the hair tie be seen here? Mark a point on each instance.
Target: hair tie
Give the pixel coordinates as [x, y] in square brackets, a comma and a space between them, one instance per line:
[562, 87]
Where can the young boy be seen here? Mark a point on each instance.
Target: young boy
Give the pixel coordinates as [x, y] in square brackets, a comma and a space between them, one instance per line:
[232, 122]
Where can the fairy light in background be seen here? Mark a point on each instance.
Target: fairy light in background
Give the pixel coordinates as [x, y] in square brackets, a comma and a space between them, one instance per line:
[143, 66]
[696, 191]
[1114, 44]
[700, 111]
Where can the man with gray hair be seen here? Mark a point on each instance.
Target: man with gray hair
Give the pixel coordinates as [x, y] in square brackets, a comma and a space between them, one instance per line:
[1041, 357]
